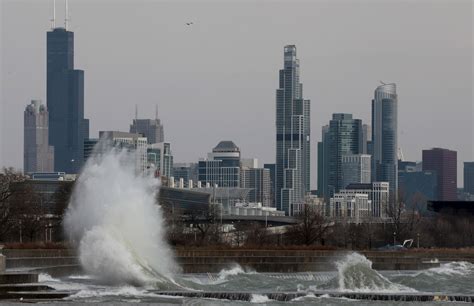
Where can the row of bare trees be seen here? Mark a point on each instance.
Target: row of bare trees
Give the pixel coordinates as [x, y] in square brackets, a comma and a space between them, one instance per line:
[315, 229]
[26, 214]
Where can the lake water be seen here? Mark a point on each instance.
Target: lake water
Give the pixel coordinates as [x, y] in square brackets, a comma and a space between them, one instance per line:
[354, 274]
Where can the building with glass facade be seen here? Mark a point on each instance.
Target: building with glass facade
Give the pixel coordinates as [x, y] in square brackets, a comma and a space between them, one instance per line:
[259, 183]
[292, 135]
[186, 171]
[384, 144]
[222, 166]
[272, 169]
[343, 136]
[444, 162]
[417, 188]
[38, 155]
[469, 177]
[160, 158]
[65, 99]
[356, 169]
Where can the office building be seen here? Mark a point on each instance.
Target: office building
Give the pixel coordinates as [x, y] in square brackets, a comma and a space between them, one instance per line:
[343, 136]
[152, 129]
[65, 99]
[258, 180]
[469, 177]
[444, 162]
[272, 168]
[133, 142]
[417, 188]
[222, 166]
[323, 163]
[249, 163]
[38, 155]
[186, 171]
[355, 169]
[89, 145]
[292, 135]
[160, 159]
[384, 145]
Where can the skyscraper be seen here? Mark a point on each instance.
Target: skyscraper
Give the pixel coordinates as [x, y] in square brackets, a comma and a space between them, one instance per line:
[258, 180]
[355, 169]
[323, 156]
[444, 162]
[152, 129]
[65, 99]
[344, 137]
[292, 135]
[38, 155]
[469, 177]
[384, 137]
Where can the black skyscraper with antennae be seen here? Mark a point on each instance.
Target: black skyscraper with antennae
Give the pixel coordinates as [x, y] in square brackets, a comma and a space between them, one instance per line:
[65, 101]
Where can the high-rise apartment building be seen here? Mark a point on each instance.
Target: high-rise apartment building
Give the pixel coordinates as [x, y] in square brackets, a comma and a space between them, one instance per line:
[469, 177]
[65, 99]
[384, 145]
[38, 155]
[444, 162]
[379, 195]
[292, 135]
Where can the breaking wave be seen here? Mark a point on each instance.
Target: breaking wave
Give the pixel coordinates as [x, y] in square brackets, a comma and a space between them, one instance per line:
[115, 222]
[355, 274]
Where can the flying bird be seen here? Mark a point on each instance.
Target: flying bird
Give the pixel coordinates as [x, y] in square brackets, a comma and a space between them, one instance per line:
[189, 23]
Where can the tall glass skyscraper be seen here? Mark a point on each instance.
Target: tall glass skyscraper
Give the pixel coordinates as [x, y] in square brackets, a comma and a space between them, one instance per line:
[292, 135]
[65, 101]
[385, 138]
[342, 137]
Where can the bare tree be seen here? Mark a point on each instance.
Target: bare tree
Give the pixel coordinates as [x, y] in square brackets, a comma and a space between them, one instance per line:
[8, 178]
[311, 226]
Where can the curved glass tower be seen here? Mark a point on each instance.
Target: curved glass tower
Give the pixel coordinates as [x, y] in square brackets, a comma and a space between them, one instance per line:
[385, 138]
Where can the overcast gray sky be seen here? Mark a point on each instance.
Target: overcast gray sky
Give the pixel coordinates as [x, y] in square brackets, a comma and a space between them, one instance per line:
[216, 79]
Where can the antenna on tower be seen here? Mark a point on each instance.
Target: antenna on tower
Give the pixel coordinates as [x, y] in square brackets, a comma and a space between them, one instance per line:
[53, 20]
[66, 17]
[136, 112]
[156, 112]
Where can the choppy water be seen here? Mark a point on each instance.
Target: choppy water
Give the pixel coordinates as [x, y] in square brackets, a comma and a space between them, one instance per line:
[354, 275]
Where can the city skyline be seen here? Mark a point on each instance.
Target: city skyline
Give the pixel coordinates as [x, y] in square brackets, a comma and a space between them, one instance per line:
[431, 132]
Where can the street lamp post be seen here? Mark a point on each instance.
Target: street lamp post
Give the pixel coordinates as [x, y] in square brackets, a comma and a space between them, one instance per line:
[394, 238]
[418, 241]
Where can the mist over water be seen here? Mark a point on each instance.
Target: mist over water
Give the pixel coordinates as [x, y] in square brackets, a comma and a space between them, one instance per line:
[116, 225]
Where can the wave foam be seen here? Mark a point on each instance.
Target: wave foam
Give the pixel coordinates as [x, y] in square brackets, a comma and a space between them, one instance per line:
[355, 274]
[114, 219]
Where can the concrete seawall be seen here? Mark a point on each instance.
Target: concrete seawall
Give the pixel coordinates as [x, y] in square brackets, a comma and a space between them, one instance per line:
[60, 262]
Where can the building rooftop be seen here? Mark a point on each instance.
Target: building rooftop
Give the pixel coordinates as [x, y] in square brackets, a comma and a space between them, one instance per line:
[226, 146]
